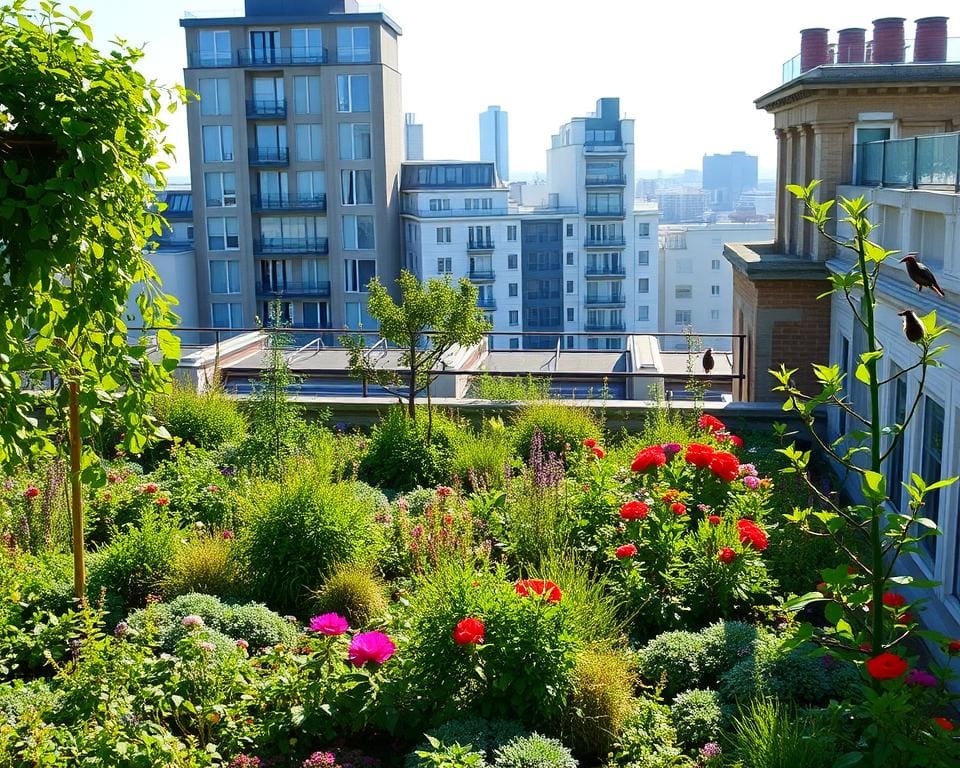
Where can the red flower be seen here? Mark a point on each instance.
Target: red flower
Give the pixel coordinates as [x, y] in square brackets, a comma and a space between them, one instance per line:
[823, 588]
[32, 492]
[469, 632]
[626, 550]
[634, 510]
[678, 509]
[649, 458]
[150, 488]
[727, 555]
[670, 496]
[710, 423]
[714, 519]
[953, 647]
[699, 455]
[725, 465]
[598, 452]
[752, 534]
[894, 600]
[886, 666]
[735, 440]
[527, 587]
[213, 489]
[444, 490]
[944, 723]
[589, 442]
[904, 618]
[161, 501]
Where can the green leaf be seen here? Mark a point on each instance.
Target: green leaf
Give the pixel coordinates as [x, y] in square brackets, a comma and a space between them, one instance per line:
[874, 486]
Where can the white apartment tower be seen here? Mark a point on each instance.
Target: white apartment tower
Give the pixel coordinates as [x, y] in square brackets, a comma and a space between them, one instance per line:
[412, 138]
[494, 140]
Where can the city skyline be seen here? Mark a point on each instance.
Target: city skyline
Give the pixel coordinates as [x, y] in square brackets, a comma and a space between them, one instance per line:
[690, 88]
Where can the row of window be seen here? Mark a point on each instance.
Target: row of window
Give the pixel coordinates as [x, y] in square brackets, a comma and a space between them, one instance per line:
[598, 262]
[306, 46]
[312, 314]
[356, 187]
[223, 232]
[685, 266]
[353, 142]
[279, 273]
[686, 291]
[268, 95]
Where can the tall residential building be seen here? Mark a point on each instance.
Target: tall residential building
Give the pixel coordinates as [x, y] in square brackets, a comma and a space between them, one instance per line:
[726, 177]
[681, 206]
[412, 138]
[495, 140]
[295, 151]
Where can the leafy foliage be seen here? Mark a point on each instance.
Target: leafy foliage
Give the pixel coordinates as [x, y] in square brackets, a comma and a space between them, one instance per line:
[206, 419]
[354, 592]
[563, 427]
[697, 716]
[534, 751]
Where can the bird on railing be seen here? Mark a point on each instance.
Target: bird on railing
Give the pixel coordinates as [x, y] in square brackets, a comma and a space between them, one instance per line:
[921, 274]
[912, 327]
[707, 360]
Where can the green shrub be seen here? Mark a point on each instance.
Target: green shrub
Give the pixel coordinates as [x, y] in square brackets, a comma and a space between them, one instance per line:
[17, 698]
[561, 425]
[438, 754]
[258, 625]
[134, 563]
[697, 717]
[480, 461]
[210, 420]
[534, 751]
[511, 388]
[770, 734]
[600, 703]
[482, 735]
[197, 490]
[201, 564]
[297, 531]
[354, 592]
[400, 458]
[648, 739]
[794, 557]
[679, 658]
[726, 643]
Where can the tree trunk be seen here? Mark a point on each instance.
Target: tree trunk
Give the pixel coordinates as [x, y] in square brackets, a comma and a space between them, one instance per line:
[76, 499]
[429, 413]
[412, 394]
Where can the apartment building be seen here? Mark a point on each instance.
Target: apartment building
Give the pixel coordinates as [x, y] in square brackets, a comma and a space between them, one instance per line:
[875, 118]
[495, 140]
[295, 149]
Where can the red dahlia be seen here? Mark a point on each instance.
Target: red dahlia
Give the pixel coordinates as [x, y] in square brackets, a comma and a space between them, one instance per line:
[727, 555]
[699, 455]
[752, 534]
[598, 452]
[626, 550]
[589, 442]
[894, 600]
[634, 510]
[678, 509]
[953, 647]
[886, 666]
[725, 465]
[944, 723]
[714, 519]
[649, 458]
[710, 423]
[469, 632]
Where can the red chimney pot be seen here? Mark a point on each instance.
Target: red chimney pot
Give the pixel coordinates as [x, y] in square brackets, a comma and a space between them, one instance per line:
[888, 42]
[814, 49]
[930, 44]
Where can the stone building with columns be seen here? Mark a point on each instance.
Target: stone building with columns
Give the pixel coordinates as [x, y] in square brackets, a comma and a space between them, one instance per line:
[878, 119]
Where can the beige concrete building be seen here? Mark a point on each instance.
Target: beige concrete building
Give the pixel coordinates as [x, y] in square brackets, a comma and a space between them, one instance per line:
[295, 150]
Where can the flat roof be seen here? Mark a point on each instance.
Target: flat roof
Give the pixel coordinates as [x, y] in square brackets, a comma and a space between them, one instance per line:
[684, 363]
[315, 18]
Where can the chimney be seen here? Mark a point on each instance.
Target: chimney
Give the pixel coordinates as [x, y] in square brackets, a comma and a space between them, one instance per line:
[814, 50]
[851, 45]
[930, 44]
[888, 43]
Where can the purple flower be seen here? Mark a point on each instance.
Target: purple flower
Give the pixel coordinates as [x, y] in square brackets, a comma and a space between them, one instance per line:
[921, 677]
[751, 482]
[329, 624]
[710, 750]
[244, 761]
[370, 646]
[121, 629]
[747, 469]
[320, 760]
[671, 449]
[191, 621]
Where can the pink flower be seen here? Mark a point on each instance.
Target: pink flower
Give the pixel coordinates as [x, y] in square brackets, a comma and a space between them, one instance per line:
[208, 647]
[329, 624]
[370, 646]
[227, 534]
[242, 644]
[751, 482]
[192, 620]
[213, 489]
[149, 488]
[921, 677]
[444, 491]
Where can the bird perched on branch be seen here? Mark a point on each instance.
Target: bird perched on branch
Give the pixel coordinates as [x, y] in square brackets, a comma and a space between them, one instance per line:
[912, 327]
[708, 360]
[921, 274]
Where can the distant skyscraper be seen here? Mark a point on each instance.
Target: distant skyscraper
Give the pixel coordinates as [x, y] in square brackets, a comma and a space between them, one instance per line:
[494, 140]
[412, 137]
[727, 176]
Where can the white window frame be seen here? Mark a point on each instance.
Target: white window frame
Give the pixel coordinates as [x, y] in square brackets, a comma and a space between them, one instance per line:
[231, 274]
[444, 265]
[216, 57]
[218, 101]
[224, 199]
[351, 275]
[345, 94]
[221, 132]
[349, 186]
[313, 105]
[220, 229]
[233, 308]
[683, 317]
[309, 150]
[353, 132]
[352, 53]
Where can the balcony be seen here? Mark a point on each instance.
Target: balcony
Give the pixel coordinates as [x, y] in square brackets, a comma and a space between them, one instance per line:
[606, 181]
[606, 301]
[602, 271]
[449, 213]
[612, 213]
[594, 148]
[293, 245]
[267, 108]
[607, 242]
[605, 325]
[477, 246]
[543, 296]
[487, 302]
[269, 156]
[921, 162]
[283, 57]
[482, 275]
[287, 202]
[292, 290]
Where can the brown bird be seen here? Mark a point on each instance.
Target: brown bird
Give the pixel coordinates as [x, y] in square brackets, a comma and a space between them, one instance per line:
[708, 360]
[912, 327]
[921, 274]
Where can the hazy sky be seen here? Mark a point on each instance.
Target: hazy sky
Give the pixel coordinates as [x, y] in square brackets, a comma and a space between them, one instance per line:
[686, 72]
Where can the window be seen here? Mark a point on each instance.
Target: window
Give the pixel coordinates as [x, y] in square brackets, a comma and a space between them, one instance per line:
[478, 203]
[604, 202]
[643, 313]
[715, 264]
[358, 272]
[226, 315]
[444, 265]
[511, 232]
[643, 285]
[643, 229]
[569, 314]
[220, 188]
[444, 234]
[683, 317]
[353, 45]
[898, 414]
[511, 261]
[931, 458]
[190, 234]
[353, 93]
[683, 292]
[514, 342]
[569, 286]
[214, 95]
[356, 187]
[440, 204]
[683, 266]
[354, 141]
[569, 258]
[358, 233]
[512, 290]
[714, 290]
[264, 46]
[307, 45]
[215, 48]
[569, 230]
[316, 314]
[217, 143]
[643, 258]
[514, 317]
[714, 314]
[311, 185]
[268, 99]
[223, 233]
[306, 95]
[480, 237]
[224, 276]
[309, 142]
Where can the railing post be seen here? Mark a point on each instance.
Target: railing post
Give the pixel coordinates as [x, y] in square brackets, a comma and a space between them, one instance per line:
[956, 178]
[740, 365]
[916, 147]
[883, 163]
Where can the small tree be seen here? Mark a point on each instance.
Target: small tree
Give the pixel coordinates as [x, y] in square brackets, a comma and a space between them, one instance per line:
[429, 320]
[79, 131]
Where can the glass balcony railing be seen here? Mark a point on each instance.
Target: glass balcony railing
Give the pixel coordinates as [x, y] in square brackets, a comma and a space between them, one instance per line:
[269, 156]
[921, 162]
[605, 213]
[487, 302]
[615, 300]
[482, 275]
[271, 108]
[606, 181]
[605, 242]
[288, 202]
[480, 245]
[605, 325]
[259, 57]
[288, 288]
[605, 270]
[291, 245]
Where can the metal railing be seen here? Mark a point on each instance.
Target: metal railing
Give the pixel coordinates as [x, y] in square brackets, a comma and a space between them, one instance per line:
[289, 288]
[791, 67]
[487, 302]
[607, 242]
[603, 271]
[614, 213]
[543, 296]
[605, 301]
[480, 245]
[607, 325]
[920, 162]
[268, 245]
[269, 155]
[454, 212]
[272, 108]
[482, 275]
[606, 181]
[270, 57]
[600, 148]
[288, 202]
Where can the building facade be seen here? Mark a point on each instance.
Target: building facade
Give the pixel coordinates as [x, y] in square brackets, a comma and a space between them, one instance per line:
[412, 138]
[726, 177]
[295, 149]
[495, 140]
